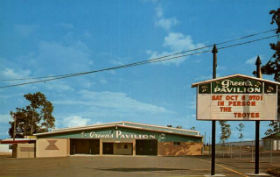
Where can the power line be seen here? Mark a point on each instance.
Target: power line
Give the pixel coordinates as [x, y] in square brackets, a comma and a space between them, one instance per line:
[66, 75]
[246, 36]
[247, 42]
[105, 69]
[160, 59]
[165, 56]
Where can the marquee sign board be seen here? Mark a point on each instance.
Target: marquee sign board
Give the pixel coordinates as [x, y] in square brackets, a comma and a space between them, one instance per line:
[237, 97]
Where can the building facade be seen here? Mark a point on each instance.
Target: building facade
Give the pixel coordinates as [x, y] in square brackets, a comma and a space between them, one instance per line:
[21, 147]
[119, 138]
[272, 142]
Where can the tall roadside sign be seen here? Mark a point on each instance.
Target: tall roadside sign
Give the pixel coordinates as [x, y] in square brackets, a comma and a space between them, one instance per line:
[237, 97]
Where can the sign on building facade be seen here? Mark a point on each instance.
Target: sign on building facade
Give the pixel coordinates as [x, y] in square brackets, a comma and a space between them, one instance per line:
[237, 97]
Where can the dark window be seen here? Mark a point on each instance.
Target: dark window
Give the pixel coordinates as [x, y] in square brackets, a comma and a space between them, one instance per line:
[177, 143]
[125, 146]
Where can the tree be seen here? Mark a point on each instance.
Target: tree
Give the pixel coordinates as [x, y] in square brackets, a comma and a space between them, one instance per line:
[274, 128]
[193, 128]
[34, 118]
[272, 67]
[240, 128]
[225, 131]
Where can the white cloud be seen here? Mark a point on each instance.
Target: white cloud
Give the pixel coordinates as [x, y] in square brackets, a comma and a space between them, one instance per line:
[54, 56]
[119, 100]
[25, 30]
[5, 118]
[75, 121]
[165, 23]
[159, 11]
[155, 54]
[252, 60]
[113, 101]
[87, 34]
[11, 96]
[179, 41]
[51, 58]
[152, 1]
[4, 133]
[9, 73]
[108, 106]
[66, 25]
[103, 81]
[175, 42]
[59, 86]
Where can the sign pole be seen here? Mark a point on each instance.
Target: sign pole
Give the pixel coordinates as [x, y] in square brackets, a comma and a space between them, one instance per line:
[257, 141]
[236, 97]
[257, 146]
[213, 150]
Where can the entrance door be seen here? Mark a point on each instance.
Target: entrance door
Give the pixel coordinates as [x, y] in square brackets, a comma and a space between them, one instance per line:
[108, 148]
[123, 148]
[94, 146]
[146, 147]
[84, 146]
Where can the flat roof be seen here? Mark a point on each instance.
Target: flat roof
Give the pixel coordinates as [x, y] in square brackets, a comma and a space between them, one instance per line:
[17, 140]
[234, 75]
[125, 124]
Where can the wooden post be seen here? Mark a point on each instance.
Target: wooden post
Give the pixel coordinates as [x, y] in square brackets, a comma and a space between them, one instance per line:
[68, 146]
[213, 153]
[134, 147]
[100, 147]
[257, 141]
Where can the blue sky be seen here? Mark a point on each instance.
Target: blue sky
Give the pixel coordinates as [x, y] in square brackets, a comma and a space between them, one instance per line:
[41, 38]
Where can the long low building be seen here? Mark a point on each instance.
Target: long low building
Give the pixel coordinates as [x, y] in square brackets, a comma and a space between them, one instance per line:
[120, 138]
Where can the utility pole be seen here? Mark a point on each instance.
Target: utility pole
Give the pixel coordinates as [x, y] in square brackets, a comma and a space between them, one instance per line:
[213, 149]
[14, 133]
[31, 124]
[257, 142]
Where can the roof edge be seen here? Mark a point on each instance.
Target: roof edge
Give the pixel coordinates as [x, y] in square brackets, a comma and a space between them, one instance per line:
[122, 124]
[159, 126]
[234, 75]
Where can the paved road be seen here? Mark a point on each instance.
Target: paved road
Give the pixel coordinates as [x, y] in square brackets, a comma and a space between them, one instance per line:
[120, 166]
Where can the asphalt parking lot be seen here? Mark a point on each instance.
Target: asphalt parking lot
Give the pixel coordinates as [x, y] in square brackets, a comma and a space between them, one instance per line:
[122, 166]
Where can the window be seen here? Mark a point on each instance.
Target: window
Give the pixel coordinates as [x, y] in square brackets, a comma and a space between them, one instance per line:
[177, 143]
[125, 146]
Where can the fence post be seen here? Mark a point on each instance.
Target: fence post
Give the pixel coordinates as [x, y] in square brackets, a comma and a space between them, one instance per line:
[271, 150]
[240, 150]
[231, 151]
[252, 151]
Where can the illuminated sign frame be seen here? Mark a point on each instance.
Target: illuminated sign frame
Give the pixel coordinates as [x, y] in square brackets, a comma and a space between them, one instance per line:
[237, 97]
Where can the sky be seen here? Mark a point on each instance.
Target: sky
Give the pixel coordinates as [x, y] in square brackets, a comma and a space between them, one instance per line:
[43, 38]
